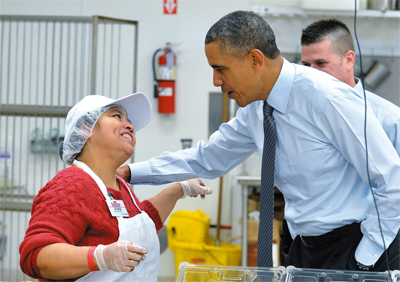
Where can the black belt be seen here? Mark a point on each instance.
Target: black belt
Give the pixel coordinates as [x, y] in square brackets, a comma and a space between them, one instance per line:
[330, 237]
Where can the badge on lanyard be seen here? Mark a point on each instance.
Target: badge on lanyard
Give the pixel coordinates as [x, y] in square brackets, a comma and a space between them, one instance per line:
[117, 208]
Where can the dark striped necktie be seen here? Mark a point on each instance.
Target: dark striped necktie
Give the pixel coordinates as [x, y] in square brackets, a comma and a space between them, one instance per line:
[264, 254]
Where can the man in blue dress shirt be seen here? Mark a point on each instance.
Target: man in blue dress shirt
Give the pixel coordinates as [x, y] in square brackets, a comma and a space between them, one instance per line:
[320, 155]
[327, 45]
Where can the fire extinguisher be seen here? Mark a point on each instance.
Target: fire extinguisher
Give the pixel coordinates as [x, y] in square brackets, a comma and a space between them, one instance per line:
[164, 83]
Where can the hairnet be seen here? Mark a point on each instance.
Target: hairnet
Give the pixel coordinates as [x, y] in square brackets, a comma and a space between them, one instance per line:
[82, 118]
[73, 143]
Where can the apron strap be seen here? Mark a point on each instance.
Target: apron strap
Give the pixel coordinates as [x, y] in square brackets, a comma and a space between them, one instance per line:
[129, 190]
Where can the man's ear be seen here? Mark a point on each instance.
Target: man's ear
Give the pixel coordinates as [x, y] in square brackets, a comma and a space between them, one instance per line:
[350, 58]
[257, 58]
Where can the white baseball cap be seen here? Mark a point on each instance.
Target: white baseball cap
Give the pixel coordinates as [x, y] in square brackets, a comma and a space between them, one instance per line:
[136, 106]
[84, 115]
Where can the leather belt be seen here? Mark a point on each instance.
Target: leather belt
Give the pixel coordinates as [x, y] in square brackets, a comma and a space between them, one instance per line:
[330, 237]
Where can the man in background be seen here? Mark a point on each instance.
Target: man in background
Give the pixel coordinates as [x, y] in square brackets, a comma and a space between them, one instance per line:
[327, 45]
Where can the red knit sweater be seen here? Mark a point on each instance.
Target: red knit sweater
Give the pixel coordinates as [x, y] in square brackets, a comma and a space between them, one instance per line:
[71, 209]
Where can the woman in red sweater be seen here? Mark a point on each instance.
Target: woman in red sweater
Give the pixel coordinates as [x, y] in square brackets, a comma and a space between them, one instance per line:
[87, 224]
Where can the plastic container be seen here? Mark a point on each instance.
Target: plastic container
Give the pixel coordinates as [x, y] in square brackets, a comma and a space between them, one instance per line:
[188, 226]
[3, 240]
[208, 273]
[5, 164]
[396, 276]
[329, 275]
[5, 169]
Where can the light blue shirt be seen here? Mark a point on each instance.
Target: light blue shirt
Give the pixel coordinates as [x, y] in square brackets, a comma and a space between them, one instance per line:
[386, 112]
[320, 158]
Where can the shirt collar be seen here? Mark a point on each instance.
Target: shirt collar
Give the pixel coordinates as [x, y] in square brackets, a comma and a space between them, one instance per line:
[279, 96]
[358, 87]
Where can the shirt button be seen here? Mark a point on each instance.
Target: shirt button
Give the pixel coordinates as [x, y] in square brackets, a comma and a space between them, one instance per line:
[284, 181]
[279, 152]
[296, 225]
[375, 256]
[294, 204]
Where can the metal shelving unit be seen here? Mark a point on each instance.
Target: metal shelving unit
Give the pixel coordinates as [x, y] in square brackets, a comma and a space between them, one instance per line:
[298, 12]
[48, 64]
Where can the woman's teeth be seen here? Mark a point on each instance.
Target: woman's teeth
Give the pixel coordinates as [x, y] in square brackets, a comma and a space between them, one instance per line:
[127, 136]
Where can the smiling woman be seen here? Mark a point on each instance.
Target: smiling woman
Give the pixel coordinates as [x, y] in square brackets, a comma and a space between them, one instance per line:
[87, 218]
[112, 140]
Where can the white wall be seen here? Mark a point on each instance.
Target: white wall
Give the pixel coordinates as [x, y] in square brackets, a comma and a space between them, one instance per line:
[186, 31]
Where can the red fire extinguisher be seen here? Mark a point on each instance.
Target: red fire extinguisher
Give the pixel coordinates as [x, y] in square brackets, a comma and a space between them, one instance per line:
[164, 83]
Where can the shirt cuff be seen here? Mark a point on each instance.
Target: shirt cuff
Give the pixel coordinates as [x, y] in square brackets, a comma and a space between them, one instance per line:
[368, 252]
[140, 173]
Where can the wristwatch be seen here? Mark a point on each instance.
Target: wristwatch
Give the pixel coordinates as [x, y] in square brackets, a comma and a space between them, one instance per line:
[363, 266]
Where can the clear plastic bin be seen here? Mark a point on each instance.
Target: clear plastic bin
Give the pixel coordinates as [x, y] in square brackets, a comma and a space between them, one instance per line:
[210, 273]
[330, 275]
[396, 275]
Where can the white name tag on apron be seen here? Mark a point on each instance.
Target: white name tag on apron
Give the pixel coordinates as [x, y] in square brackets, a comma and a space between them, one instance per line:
[117, 208]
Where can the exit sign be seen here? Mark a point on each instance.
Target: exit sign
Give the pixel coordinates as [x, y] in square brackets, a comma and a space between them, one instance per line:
[170, 7]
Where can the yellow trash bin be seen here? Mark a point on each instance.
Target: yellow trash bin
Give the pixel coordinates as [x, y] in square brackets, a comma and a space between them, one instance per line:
[189, 240]
[188, 226]
[224, 255]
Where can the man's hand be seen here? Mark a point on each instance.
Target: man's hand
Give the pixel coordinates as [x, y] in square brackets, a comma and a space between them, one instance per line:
[125, 172]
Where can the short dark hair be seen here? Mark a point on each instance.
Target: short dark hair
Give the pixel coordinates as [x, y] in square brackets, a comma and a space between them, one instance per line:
[332, 30]
[241, 31]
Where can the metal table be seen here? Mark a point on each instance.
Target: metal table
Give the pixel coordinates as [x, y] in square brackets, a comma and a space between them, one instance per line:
[247, 182]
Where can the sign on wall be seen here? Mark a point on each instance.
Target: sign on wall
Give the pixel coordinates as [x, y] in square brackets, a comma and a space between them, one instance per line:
[170, 7]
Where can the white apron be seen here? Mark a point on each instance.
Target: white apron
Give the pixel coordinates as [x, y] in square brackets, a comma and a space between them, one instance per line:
[140, 230]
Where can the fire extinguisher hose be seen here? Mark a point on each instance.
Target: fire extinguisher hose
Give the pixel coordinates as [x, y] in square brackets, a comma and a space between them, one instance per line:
[155, 74]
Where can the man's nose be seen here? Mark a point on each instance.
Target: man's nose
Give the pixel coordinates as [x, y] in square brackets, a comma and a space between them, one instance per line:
[217, 80]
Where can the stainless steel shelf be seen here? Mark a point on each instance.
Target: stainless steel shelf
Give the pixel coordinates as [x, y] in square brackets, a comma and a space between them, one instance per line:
[15, 202]
[273, 11]
[24, 206]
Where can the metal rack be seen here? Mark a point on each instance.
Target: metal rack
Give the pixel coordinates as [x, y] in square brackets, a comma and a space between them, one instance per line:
[297, 12]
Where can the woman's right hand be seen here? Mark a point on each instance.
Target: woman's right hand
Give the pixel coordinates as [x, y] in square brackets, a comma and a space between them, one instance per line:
[121, 256]
[194, 187]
